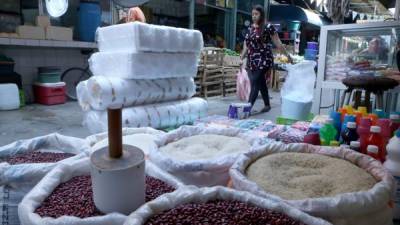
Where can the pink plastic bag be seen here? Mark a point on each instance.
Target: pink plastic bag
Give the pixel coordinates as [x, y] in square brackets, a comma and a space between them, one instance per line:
[243, 85]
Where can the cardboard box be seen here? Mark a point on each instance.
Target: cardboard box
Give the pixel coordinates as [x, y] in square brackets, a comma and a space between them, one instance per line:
[31, 32]
[43, 21]
[58, 33]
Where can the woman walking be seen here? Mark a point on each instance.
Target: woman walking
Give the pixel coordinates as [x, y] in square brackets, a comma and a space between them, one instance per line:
[257, 48]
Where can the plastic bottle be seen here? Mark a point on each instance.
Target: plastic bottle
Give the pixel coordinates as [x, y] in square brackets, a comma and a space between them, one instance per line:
[312, 138]
[375, 138]
[355, 145]
[334, 144]
[380, 113]
[394, 122]
[337, 122]
[392, 164]
[358, 116]
[373, 151]
[350, 134]
[343, 113]
[386, 132]
[374, 118]
[349, 109]
[363, 110]
[363, 131]
[347, 118]
[328, 132]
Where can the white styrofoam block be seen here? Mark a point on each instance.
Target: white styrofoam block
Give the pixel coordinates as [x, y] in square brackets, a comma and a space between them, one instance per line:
[58, 33]
[43, 21]
[141, 37]
[144, 65]
[31, 32]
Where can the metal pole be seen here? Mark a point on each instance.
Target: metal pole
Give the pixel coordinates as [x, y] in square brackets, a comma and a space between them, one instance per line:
[41, 9]
[267, 8]
[397, 10]
[192, 12]
[234, 23]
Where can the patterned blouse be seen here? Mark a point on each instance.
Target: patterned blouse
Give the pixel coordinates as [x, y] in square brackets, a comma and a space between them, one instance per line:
[259, 48]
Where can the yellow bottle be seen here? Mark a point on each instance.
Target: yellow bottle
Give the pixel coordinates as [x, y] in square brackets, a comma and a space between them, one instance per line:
[363, 110]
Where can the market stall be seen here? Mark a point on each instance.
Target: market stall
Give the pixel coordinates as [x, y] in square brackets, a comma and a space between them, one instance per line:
[353, 50]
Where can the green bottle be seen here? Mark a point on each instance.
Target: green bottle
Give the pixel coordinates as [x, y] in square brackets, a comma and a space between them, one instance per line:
[328, 133]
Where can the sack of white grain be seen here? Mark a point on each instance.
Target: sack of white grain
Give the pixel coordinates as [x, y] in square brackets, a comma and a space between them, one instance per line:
[25, 162]
[199, 155]
[208, 206]
[161, 115]
[99, 93]
[339, 185]
[70, 183]
[143, 138]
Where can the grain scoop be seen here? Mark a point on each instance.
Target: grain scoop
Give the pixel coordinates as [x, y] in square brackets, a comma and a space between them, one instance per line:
[118, 172]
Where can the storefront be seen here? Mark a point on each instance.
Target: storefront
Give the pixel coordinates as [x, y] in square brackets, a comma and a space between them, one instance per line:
[222, 22]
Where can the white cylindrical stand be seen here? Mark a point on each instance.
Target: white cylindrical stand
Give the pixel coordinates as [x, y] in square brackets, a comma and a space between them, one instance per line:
[118, 183]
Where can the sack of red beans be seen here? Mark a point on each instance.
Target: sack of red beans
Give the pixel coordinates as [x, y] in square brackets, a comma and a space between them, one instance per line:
[218, 205]
[24, 163]
[371, 207]
[203, 172]
[64, 196]
[143, 138]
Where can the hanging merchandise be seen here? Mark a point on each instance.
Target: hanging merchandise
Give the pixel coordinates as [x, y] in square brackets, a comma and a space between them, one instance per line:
[56, 8]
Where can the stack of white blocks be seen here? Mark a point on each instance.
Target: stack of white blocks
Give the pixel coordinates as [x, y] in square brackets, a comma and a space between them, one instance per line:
[147, 53]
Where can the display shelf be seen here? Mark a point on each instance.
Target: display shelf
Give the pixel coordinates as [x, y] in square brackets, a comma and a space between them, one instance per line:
[340, 45]
[46, 43]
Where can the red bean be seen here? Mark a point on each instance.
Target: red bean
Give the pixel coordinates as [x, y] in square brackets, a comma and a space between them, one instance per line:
[221, 212]
[75, 197]
[36, 157]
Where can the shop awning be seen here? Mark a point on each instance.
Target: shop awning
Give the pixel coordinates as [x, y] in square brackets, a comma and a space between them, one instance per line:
[289, 12]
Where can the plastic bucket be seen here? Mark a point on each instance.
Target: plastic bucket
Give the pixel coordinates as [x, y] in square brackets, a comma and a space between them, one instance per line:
[295, 110]
[9, 97]
[312, 45]
[89, 20]
[293, 25]
[310, 54]
[49, 78]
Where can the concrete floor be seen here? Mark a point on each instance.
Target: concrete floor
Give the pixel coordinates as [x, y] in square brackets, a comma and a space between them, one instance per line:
[36, 120]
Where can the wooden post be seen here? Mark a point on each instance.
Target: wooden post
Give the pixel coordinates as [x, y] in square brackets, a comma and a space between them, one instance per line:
[115, 133]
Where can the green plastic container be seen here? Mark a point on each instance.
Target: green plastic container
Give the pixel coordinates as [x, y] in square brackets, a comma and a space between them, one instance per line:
[49, 77]
[21, 98]
[293, 25]
[285, 121]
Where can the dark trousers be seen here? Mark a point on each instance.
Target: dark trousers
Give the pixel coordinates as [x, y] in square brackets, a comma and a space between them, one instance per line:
[258, 84]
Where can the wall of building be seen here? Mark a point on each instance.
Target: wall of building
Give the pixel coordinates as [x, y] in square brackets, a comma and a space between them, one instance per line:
[28, 59]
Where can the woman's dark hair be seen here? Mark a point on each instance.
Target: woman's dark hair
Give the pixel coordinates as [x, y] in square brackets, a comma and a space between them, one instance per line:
[261, 20]
[260, 9]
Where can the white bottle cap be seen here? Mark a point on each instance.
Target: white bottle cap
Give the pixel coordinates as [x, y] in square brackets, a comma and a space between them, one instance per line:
[355, 144]
[373, 149]
[394, 116]
[375, 129]
[351, 125]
